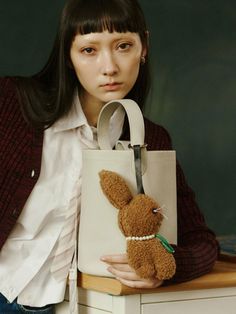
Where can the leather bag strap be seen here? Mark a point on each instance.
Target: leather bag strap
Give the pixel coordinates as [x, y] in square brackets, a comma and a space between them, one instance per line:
[136, 125]
[138, 168]
[135, 118]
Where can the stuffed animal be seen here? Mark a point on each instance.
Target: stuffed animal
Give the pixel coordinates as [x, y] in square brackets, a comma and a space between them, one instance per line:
[139, 220]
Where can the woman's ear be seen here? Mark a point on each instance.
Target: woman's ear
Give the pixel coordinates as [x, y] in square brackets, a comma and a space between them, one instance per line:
[144, 52]
[115, 188]
[145, 48]
[145, 45]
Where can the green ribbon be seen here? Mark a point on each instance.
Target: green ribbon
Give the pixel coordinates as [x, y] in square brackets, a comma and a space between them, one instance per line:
[165, 243]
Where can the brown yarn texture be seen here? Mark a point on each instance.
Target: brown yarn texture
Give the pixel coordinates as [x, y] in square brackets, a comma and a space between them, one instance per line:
[137, 218]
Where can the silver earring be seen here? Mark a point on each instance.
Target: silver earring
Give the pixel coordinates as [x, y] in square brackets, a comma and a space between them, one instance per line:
[143, 60]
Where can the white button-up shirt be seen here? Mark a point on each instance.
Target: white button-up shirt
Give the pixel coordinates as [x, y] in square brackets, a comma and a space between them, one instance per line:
[26, 257]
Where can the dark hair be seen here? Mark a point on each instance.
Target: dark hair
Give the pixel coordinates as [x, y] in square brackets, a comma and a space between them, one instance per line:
[48, 95]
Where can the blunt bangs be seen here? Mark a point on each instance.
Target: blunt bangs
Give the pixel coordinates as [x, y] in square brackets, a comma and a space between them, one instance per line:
[101, 15]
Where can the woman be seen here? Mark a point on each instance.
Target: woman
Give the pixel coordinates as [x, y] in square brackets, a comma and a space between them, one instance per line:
[100, 54]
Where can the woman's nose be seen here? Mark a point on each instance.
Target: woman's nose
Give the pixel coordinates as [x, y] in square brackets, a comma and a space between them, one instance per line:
[109, 65]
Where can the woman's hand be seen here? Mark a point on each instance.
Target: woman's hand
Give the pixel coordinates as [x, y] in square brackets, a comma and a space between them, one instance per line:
[118, 266]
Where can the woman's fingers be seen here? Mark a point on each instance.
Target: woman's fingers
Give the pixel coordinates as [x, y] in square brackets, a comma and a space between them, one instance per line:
[125, 273]
[115, 258]
[141, 284]
[122, 267]
[119, 267]
[131, 279]
[117, 262]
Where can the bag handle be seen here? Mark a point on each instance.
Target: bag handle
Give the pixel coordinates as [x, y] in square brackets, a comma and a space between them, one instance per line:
[136, 125]
[135, 118]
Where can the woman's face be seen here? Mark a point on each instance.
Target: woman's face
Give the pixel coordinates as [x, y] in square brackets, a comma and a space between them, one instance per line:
[106, 64]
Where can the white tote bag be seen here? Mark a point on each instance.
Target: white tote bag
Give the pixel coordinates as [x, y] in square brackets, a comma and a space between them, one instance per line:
[99, 233]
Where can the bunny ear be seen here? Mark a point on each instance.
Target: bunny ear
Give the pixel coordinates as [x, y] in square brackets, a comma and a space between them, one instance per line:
[115, 188]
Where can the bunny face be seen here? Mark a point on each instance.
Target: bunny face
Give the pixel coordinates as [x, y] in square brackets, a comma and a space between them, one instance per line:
[140, 217]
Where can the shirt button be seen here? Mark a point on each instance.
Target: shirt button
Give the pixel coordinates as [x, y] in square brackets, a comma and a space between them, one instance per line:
[32, 173]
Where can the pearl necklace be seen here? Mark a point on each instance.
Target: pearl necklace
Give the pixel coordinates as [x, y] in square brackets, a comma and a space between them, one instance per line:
[163, 241]
[148, 237]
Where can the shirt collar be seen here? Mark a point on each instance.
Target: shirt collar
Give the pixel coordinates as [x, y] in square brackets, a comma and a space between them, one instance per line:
[74, 119]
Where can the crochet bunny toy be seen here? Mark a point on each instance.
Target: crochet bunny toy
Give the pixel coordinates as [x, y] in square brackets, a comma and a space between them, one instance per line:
[139, 219]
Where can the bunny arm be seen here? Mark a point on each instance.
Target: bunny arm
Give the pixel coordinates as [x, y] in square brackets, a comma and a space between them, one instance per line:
[149, 258]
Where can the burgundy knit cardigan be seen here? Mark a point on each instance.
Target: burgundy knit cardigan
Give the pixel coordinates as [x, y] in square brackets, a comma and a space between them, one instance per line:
[20, 160]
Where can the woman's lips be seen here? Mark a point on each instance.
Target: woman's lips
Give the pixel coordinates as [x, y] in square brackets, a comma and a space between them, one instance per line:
[112, 86]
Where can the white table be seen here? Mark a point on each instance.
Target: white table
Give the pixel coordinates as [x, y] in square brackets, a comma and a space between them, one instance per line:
[214, 293]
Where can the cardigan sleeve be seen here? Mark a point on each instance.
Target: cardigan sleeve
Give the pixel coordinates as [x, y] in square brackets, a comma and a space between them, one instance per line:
[20, 153]
[197, 248]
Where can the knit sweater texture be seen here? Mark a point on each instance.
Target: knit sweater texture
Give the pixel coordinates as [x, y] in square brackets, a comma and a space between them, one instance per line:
[20, 161]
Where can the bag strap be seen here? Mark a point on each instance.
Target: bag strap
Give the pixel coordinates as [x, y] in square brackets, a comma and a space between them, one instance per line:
[136, 125]
[135, 118]
[138, 168]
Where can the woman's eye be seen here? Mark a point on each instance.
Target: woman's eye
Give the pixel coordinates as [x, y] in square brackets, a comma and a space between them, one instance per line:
[88, 50]
[124, 46]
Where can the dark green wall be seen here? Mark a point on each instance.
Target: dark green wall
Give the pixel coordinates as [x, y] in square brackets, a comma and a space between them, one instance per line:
[194, 95]
[27, 30]
[193, 49]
